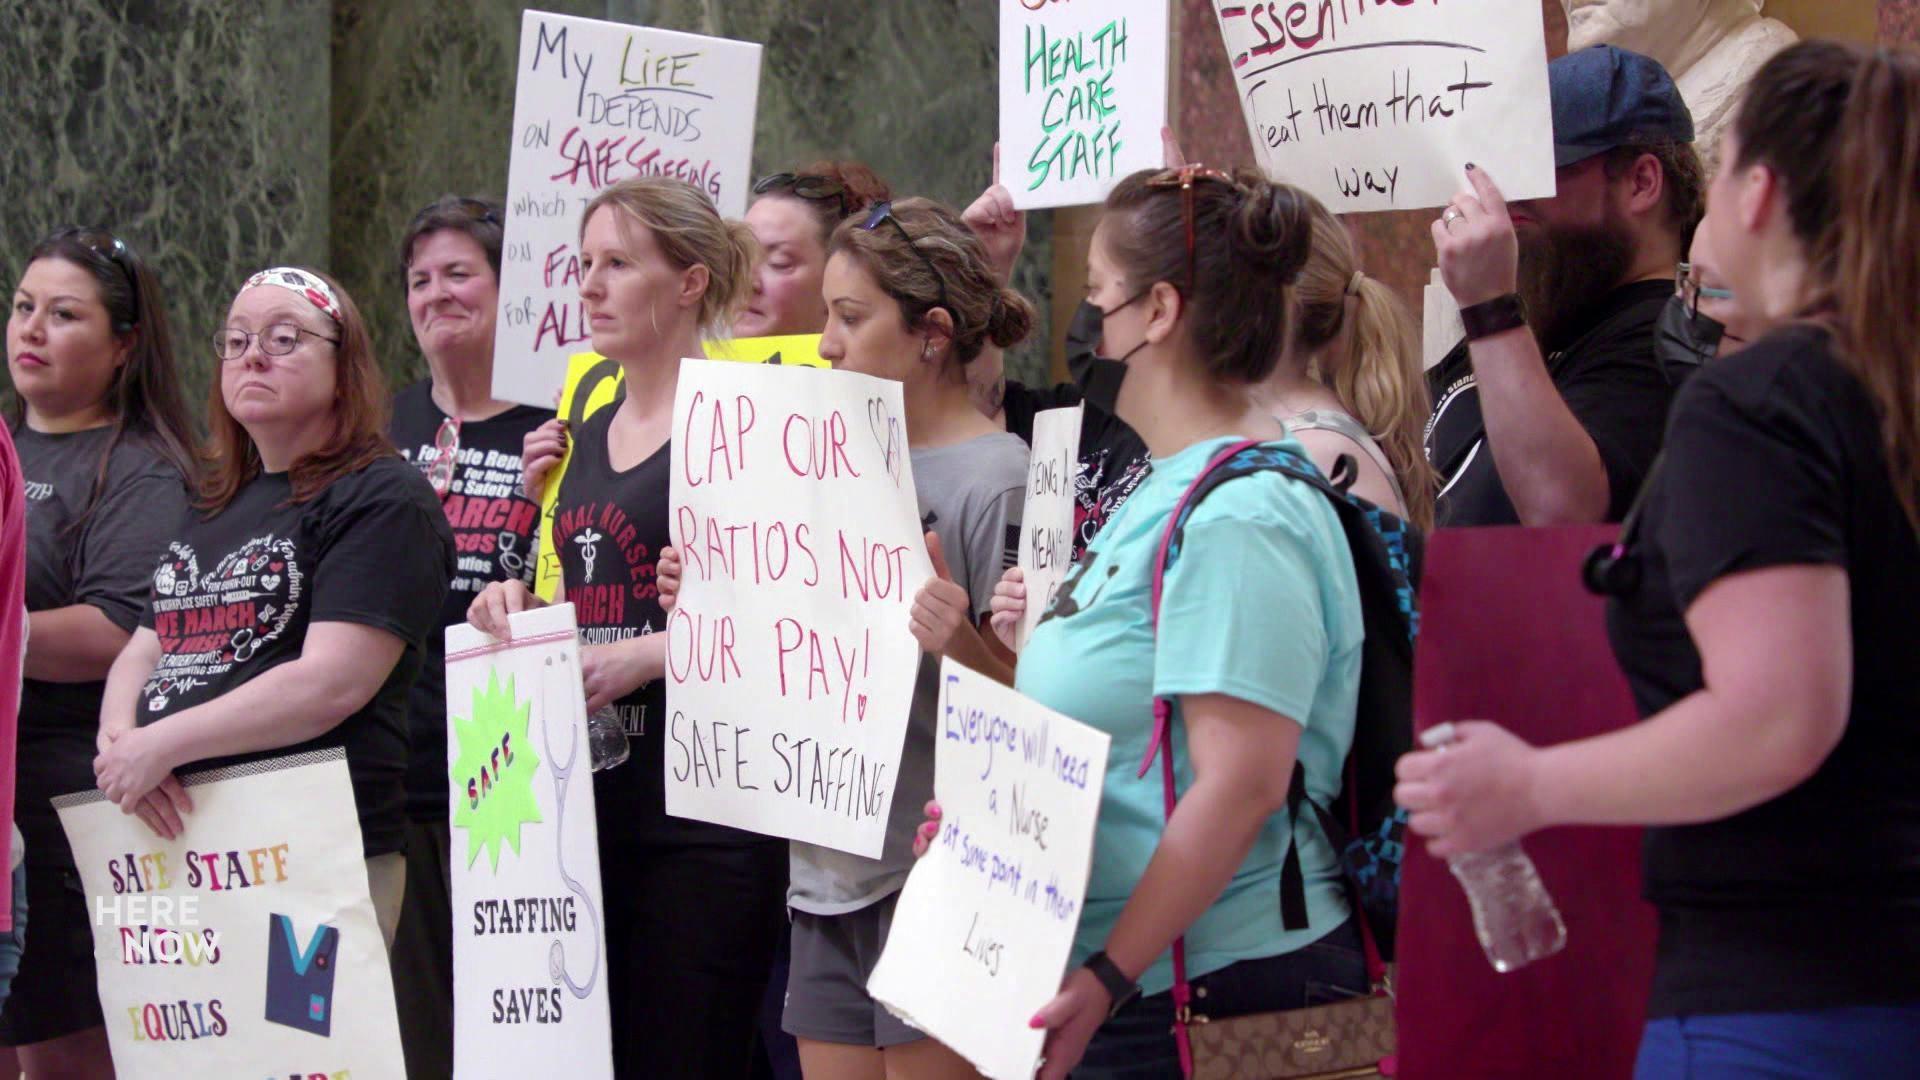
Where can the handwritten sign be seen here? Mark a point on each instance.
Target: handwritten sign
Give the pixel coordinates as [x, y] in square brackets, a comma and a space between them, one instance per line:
[1083, 95]
[529, 946]
[248, 945]
[981, 936]
[1046, 538]
[593, 381]
[1380, 104]
[595, 103]
[790, 668]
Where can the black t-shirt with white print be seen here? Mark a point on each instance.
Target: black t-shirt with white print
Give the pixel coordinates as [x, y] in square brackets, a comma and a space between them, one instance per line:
[105, 563]
[608, 529]
[235, 593]
[493, 527]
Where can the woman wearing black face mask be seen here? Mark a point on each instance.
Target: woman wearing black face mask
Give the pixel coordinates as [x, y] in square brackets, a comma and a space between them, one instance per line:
[1701, 321]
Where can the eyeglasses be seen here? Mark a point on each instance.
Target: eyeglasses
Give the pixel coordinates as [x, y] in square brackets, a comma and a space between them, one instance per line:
[1183, 178]
[1687, 284]
[109, 248]
[446, 452]
[276, 340]
[883, 211]
[814, 187]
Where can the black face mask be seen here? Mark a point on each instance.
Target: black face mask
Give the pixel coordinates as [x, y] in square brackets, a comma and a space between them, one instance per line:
[1684, 339]
[1097, 376]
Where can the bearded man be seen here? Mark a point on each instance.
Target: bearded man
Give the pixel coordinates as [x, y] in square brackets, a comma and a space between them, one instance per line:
[1552, 409]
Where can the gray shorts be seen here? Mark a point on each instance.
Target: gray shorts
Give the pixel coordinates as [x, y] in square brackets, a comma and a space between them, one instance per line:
[827, 998]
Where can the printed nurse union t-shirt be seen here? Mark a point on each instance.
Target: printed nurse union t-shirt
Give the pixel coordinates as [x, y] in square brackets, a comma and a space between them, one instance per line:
[1262, 606]
[971, 495]
[608, 529]
[105, 564]
[493, 527]
[235, 593]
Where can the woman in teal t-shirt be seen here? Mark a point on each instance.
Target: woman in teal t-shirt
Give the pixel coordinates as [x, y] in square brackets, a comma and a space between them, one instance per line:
[1189, 280]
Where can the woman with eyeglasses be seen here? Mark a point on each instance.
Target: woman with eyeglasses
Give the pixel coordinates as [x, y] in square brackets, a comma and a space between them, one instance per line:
[105, 452]
[1770, 628]
[322, 557]
[693, 908]
[468, 444]
[1700, 322]
[1191, 274]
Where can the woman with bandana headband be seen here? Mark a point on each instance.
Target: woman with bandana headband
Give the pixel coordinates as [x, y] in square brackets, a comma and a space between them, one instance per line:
[104, 444]
[291, 608]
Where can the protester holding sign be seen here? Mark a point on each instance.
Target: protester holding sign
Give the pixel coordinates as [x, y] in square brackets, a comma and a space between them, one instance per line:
[1551, 411]
[1768, 625]
[291, 611]
[1351, 381]
[1258, 643]
[105, 447]
[467, 443]
[692, 908]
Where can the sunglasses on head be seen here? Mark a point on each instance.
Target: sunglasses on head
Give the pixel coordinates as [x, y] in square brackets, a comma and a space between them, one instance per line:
[883, 211]
[1183, 178]
[806, 186]
[112, 249]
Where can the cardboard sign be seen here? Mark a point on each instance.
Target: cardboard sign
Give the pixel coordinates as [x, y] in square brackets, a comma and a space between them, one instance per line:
[248, 945]
[985, 924]
[790, 667]
[1083, 96]
[593, 381]
[1380, 104]
[529, 943]
[595, 103]
[1046, 523]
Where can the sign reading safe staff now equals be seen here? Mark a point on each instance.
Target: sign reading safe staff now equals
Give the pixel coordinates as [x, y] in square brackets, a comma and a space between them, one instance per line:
[300, 978]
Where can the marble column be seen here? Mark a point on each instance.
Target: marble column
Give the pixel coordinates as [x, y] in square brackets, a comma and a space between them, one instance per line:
[196, 129]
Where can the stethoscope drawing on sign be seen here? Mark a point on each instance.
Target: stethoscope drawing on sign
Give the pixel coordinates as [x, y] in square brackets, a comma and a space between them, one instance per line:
[562, 774]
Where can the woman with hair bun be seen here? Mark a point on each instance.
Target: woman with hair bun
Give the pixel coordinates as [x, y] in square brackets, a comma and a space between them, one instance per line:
[1191, 276]
[693, 908]
[105, 454]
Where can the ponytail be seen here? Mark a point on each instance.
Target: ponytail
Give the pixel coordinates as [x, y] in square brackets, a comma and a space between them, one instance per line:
[1876, 230]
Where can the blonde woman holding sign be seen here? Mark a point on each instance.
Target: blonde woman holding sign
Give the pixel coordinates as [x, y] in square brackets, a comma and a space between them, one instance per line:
[693, 908]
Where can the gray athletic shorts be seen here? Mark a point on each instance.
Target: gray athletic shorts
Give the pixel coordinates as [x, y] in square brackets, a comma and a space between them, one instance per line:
[827, 998]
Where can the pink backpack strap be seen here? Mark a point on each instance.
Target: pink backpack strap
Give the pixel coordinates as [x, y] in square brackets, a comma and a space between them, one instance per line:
[1162, 740]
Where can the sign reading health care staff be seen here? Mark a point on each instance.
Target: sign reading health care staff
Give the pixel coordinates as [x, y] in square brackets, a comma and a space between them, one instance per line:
[529, 944]
[790, 667]
[985, 924]
[1083, 96]
[595, 103]
[248, 945]
[1046, 537]
[1380, 104]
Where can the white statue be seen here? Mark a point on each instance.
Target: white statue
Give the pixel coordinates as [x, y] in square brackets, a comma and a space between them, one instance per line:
[1710, 47]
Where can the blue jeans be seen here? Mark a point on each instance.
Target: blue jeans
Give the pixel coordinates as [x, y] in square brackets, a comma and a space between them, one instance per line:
[1138, 1043]
[1856, 1041]
[15, 943]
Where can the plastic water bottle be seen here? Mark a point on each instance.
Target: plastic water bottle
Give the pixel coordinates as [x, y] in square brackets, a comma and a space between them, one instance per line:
[606, 739]
[1513, 915]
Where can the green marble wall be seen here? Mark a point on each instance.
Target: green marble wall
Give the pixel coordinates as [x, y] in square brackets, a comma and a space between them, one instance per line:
[196, 128]
[220, 136]
[422, 98]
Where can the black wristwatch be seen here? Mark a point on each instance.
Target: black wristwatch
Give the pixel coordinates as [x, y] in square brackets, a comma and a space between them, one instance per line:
[1490, 317]
[1120, 988]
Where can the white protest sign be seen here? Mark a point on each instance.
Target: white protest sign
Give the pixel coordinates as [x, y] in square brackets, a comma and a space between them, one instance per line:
[984, 926]
[1380, 104]
[594, 103]
[529, 944]
[1440, 325]
[247, 946]
[1083, 96]
[790, 667]
[1046, 523]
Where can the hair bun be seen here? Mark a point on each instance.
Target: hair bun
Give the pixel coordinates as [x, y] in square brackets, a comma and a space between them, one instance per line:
[1009, 318]
[1273, 225]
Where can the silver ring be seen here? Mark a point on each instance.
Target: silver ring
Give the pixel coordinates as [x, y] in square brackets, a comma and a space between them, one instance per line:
[1452, 215]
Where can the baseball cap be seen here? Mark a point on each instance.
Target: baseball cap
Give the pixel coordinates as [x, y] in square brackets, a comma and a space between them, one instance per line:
[1605, 97]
